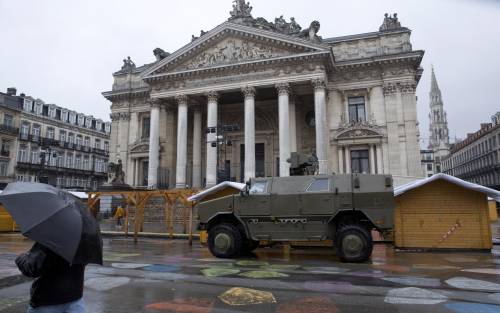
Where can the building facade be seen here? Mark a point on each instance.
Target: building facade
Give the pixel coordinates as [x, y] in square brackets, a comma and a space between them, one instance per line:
[55, 145]
[439, 137]
[477, 158]
[10, 112]
[241, 97]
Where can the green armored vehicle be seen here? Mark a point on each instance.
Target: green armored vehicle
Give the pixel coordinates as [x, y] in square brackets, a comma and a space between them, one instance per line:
[343, 208]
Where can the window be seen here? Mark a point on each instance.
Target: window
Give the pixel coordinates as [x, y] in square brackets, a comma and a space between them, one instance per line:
[78, 162]
[145, 127]
[98, 125]
[28, 105]
[319, 185]
[35, 158]
[79, 140]
[25, 129]
[8, 120]
[360, 161]
[38, 108]
[429, 167]
[50, 133]
[35, 131]
[357, 109]
[72, 117]
[97, 144]
[107, 127]
[53, 159]
[80, 120]
[23, 154]
[3, 168]
[5, 150]
[86, 163]
[86, 143]
[106, 146]
[259, 187]
[60, 181]
[71, 138]
[52, 112]
[64, 116]
[62, 136]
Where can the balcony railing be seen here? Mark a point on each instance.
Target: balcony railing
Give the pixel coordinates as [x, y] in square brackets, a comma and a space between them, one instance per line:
[9, 129]
[5, 153]
[59, 169]
[50, 142]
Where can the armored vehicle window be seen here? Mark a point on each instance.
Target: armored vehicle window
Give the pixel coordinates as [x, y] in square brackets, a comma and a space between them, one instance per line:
[259, 187]
[319, 185]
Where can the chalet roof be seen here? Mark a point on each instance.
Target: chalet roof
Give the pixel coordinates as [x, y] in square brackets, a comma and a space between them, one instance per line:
[451, 179]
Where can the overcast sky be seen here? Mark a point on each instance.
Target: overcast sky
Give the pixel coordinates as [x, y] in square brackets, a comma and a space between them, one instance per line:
[64, 52]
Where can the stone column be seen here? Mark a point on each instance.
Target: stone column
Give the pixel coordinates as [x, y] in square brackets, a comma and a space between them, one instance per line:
[347, 160]
[372, 159]
[293, 125]
[154, 144]
[211, 176]
[249, 93]
[197, 148]
[341, 160]
[321, 125]
[380, 164]
[182, 124]
[134, 127]
[284, 128]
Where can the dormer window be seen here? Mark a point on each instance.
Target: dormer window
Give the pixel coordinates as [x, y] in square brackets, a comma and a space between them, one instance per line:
[52, 112]
[107, 128]
[88, 122]
[98, 125]
[64, 116]
[38, 108]
[72, 117]
[80, 120]
[28, 105]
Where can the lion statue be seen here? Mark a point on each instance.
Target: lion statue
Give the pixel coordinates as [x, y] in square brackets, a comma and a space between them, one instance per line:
[160, 54]
[311, 33]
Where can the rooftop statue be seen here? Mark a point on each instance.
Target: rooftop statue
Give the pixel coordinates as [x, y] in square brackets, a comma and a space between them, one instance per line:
[390, 22]
[128, 64]
[116, 175]
[311, 33]
[241, 9]
[160, 54]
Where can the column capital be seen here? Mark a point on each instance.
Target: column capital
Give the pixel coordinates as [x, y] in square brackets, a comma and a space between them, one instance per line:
[319, 84]
[181, 99]
[155, 103]
[283, 88]
[249, 92]
[213, 96]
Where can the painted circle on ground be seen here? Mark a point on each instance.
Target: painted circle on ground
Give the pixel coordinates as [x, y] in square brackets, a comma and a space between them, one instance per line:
[472, 284]
[160, 268]
[413, 295]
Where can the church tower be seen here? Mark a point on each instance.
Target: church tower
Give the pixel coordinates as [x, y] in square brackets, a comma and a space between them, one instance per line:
[439, 141]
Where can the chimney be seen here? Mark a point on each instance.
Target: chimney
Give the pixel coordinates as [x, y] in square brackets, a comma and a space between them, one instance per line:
[11, 91]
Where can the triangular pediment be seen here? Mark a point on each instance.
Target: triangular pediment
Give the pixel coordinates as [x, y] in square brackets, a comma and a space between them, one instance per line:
[230, 44]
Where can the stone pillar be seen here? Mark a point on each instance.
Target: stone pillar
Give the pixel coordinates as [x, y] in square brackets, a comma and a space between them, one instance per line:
[134, 127]
[211, 176]
[154, 144]
[341, 160]
[347, 160]
[182, 124]
[197, 148]
[249, 93]
[380, 164]
[321, 125]
[293, 125]
[284, 128]
[372, 159]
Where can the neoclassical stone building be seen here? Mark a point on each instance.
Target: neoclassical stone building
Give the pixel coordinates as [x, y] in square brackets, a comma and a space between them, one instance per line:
[244, 95]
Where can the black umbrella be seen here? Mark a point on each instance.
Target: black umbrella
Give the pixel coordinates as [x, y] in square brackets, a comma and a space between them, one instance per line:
[55, 219]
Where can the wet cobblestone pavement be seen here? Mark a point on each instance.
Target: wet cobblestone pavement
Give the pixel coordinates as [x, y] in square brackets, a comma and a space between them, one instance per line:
[170, 276]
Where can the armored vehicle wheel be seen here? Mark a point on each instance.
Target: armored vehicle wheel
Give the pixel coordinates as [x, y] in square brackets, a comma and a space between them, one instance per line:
[224, 241]
[353, 243]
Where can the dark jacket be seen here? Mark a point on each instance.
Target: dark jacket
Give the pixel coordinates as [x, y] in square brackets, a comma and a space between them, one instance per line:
[57, 281]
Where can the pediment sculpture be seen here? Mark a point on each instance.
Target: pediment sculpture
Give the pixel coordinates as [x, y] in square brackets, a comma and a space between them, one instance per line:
[232, 51]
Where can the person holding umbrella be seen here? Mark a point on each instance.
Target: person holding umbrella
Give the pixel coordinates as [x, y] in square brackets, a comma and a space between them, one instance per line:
[67, 238]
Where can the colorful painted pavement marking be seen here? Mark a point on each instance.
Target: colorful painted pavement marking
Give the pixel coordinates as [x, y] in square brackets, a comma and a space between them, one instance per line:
[466, 307]
[308, 305]
[414, 281]
[473, 284]
[461, 259]
[413, 295]
[161, 268]
[263, 274]
[244, 296]
[252, 263]
[129, 265]
[219, 271]
[106, 283]
[492, 271]
[329, 286]
[189, 305]
[7, 303]
[280, 267]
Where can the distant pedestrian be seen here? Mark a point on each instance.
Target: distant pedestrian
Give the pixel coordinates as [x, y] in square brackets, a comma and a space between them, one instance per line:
[119, 215]
[58, 287]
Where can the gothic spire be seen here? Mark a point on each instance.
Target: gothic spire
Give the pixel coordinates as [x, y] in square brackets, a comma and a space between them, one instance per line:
[434, 85]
